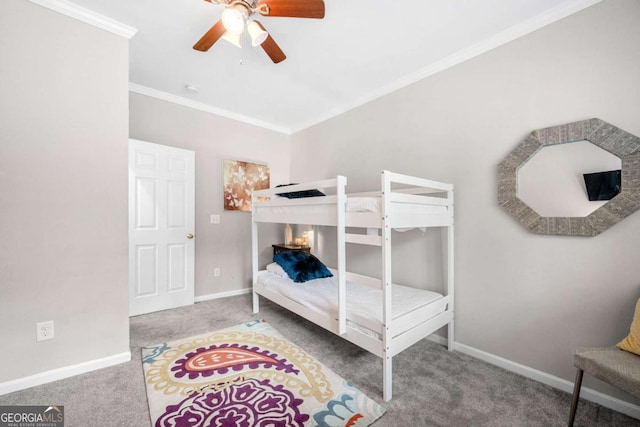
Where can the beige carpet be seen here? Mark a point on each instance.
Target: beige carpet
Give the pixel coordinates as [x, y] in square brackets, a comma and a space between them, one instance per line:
[432, 387]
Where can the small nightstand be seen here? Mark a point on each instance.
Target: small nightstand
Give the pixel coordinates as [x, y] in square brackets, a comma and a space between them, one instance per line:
[282, 247]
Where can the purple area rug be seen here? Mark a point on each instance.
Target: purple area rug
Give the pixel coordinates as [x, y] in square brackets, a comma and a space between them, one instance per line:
[248, 375]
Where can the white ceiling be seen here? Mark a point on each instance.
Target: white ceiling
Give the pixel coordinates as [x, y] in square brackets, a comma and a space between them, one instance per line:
[358, 52]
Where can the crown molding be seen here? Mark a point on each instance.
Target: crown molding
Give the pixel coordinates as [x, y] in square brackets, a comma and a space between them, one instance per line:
[88, 16]
[154, 93]
[548, 17]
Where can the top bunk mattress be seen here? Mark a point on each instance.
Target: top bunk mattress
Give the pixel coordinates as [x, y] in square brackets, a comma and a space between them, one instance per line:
[364, 303]
[360, 212]
[354, 205]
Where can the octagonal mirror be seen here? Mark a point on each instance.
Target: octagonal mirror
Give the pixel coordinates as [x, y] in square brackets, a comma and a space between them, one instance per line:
[542, 182]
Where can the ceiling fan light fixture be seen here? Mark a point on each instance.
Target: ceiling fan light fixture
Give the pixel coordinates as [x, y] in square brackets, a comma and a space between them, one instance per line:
[258, 35]
[233, 18]
[233, 38]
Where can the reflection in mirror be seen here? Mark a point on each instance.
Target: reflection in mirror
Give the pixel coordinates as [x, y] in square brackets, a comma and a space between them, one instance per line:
[551, 182]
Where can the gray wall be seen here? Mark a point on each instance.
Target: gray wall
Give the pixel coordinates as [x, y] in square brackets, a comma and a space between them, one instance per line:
[63, 190]
[528, 298]
[213, 138]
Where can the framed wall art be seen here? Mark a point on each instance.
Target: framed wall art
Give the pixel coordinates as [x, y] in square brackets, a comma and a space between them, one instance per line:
[240, 179]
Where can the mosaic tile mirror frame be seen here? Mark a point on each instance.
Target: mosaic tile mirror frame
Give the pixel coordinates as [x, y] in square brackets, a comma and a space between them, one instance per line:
[598, 132]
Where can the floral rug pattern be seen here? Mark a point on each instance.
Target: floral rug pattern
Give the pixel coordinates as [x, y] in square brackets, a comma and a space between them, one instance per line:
[248, 375]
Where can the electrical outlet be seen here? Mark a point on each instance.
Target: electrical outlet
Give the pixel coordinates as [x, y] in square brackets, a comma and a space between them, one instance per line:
[44, 330]
[216, 272]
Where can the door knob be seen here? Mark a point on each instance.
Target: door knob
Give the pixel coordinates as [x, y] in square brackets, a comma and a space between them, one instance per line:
[189, 236]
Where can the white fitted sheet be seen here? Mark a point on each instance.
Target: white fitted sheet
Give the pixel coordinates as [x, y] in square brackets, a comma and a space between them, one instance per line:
[364, 303]
[364, 204]
[354, 204]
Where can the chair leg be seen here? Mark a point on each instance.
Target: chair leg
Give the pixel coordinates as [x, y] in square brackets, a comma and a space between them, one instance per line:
[576, 396]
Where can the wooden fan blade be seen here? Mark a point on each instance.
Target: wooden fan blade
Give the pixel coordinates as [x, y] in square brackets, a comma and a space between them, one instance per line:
[210, 37]
[271, 47]
[292, 8]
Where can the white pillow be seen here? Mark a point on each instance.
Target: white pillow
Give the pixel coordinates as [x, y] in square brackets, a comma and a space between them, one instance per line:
[276, 269]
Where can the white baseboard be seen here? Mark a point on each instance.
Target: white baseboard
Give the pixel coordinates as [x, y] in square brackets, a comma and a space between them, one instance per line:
[62, 373]
[553, 381]
[92, 365]
[219, 295]
[437, 339]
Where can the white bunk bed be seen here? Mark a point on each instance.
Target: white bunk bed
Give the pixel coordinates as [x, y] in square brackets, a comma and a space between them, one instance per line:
[403, 315]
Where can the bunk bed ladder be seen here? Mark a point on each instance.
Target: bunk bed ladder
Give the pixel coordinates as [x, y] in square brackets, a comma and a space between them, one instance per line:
[449, 273]
[254, 262]
[387, 362]
[364, 239]
[342, 260]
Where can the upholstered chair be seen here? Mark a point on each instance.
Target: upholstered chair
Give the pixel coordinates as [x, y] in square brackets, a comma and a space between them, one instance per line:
[618, 366]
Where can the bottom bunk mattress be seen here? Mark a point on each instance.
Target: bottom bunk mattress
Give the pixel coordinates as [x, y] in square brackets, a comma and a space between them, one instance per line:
[364, 303]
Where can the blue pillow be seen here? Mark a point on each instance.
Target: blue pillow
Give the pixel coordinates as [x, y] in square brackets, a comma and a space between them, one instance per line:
[301, 266]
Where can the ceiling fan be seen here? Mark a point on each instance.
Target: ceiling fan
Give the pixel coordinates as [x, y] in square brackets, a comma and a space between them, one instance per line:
[235, 18]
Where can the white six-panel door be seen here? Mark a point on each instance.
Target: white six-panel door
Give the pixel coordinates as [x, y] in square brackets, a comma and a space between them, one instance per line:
[161, 227]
